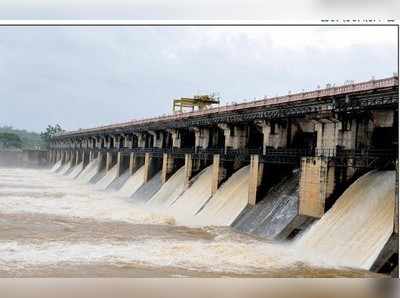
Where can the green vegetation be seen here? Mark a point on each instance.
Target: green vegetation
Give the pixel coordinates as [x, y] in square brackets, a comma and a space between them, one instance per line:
[28, 140]
[50, 132]
[12, 138]
[10, 141]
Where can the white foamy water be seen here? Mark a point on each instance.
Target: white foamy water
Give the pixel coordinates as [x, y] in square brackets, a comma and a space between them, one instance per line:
[215, 256]
[62, 196]
[64, 169]
[193, 199]
[76, 171]
[169, 192]
[89, 172]
[133, 183]
[227, 203]
[56, 166]
[350, 234]
[354, 231]
[108, 178]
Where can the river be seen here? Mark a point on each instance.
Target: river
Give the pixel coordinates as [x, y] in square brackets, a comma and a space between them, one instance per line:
[55, 226]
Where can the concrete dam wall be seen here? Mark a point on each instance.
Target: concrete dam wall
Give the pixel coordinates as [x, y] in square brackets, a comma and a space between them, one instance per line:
[283, 168]
[352, 233]
[24, 158]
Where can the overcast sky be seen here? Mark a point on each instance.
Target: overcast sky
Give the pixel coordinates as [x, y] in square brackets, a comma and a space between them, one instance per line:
[87, 76]
[195, 9]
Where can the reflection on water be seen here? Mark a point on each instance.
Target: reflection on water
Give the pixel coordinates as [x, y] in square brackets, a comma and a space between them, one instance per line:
[76, 230]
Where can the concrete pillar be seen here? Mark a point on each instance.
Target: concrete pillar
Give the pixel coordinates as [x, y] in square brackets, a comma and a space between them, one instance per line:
[102, 157]
[122, 163]
[176, 138]
[227, 133]
[63, 156]
[202, 137]
[99, 140]
[266, 130]
[50, 156]
[158, 138]
[141, 139]
[383, 118]
[107, 142]
[167, 167]
[66, 156]
[134, 163]
[128, 141]
[110, 160]
[72, 158]
[78, 158]
[188, 169]
[218, 173]
[240, 137]
[85, 157]
[348, 134]
[91, 155]
[148, 173]
[328, 136]
[255, 178]
[119, 164]
[236, 137]
[316, 185]
[116, 141]
[275, 134]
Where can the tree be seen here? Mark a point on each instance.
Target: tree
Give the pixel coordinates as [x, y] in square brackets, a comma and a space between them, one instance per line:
[30, 139]
[10, 140]
[50, 132]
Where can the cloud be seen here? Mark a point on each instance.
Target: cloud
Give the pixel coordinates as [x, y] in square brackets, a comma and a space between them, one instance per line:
[87, 76]
[198, 10]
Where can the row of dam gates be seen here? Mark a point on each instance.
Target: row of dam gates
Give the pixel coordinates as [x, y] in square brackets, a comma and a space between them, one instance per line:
[277, 164]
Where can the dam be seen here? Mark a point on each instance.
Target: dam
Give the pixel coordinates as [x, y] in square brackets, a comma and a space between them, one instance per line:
[308, 178]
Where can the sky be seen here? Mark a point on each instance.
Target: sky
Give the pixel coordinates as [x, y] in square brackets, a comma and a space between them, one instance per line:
[82, 77]
[195, 9]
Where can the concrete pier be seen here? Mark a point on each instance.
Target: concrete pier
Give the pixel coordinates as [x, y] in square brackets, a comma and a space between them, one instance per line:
[255, 178]
[110, 160]
[122, 163]
[168, 167]
[218, 173]
[316, 184]
[151, 167]
[135, 162]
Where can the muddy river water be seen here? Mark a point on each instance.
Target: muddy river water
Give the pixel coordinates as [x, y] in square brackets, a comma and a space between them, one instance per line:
[54, 226]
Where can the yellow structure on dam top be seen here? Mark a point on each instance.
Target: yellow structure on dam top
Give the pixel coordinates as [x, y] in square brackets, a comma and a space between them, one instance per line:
[198, 101]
